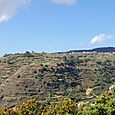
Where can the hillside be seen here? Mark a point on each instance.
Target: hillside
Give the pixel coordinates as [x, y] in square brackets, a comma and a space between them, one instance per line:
[47, 76]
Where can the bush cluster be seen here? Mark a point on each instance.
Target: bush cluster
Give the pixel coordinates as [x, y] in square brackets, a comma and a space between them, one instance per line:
[102, 105]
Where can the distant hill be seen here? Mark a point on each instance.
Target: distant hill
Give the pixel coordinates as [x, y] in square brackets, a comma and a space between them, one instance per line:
[101, 49]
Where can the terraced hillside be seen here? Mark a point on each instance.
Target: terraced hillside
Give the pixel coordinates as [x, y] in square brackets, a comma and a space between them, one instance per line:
[48, 76]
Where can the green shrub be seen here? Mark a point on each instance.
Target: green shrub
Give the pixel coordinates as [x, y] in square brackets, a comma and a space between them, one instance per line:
[31, 107]
[62, 107]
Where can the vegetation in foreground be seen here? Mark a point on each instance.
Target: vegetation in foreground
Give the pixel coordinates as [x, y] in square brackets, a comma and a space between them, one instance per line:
[102, 105]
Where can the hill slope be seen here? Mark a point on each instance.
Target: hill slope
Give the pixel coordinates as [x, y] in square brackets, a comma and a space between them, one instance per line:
[47, 76]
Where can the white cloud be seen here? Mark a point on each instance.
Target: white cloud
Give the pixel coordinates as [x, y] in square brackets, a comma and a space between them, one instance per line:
[66, 2]
[8, 8]
[101, 38]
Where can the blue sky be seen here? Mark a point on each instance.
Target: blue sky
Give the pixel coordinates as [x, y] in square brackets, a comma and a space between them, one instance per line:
[56, 25]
